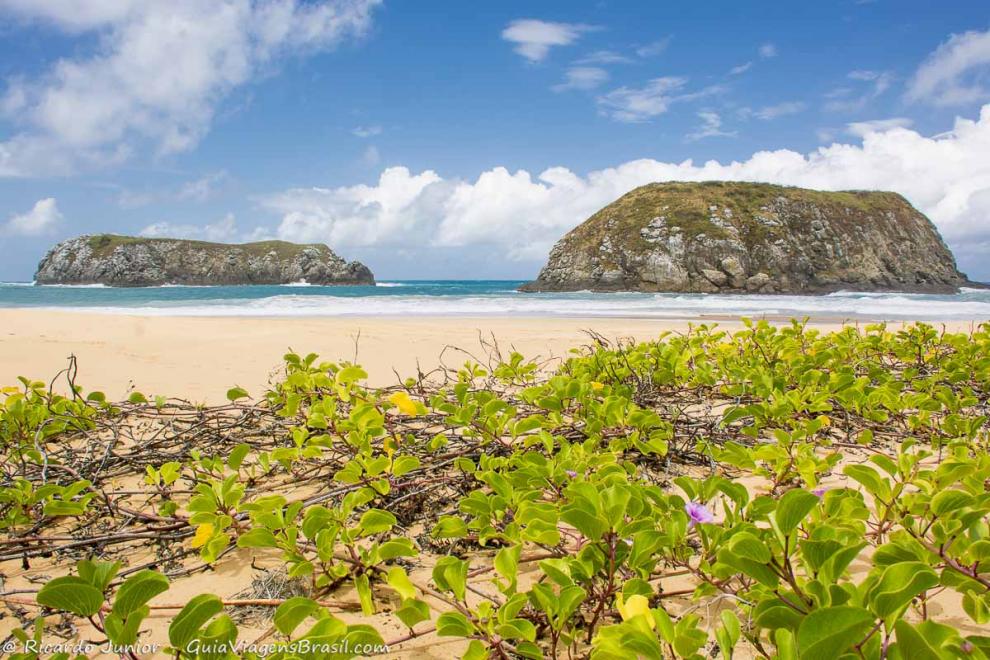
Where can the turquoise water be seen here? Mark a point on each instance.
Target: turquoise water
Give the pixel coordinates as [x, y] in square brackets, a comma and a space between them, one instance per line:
[482, 298]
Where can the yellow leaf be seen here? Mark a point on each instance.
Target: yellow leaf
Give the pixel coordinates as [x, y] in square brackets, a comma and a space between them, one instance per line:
[11, 390]
[825, 419]
[595, 385]
[203, 534]
[404, 403]
[636, 605]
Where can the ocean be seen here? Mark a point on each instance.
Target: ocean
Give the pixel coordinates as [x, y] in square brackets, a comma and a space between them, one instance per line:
[482, 298]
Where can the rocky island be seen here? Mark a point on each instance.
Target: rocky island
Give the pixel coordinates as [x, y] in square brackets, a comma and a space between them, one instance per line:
[749, 237]
[129, 261]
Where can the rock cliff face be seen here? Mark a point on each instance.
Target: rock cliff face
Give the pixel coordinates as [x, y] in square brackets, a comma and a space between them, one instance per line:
[757, 238]
[128, 261]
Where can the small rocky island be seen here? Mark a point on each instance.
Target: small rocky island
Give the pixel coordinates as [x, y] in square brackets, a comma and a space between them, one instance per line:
[749, 237]
[128, 261]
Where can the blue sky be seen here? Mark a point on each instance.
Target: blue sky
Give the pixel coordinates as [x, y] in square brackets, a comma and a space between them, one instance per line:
[451, 139]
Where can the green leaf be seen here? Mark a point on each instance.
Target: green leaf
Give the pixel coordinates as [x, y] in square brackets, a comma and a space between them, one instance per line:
[748, 546]
[138, 590]
[258, 537]
[404, 464]
[71, 594]
[449, 527]
[911, 644]
[218, 639]
[63, 508]
[98, 573]
[948, 501]
[792, 508]
[193, 616]
[586, 522]
[235, 393]
[292, 612]
[450, 574]
[237, 456]
[413, 611]
[454, 624]
[898, 584]
[826, 633]
[374, 521]
[876, 485]
[363, 586]
[507, 565]
[399, 580]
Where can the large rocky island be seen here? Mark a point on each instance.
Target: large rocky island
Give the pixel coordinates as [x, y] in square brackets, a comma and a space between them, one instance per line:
[134, 261]
[749, 237]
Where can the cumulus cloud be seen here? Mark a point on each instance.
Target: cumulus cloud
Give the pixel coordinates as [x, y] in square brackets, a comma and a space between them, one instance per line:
[582, 78]
[533, 38]
[157, 74]
[521, 215]
[43, 217]
[223, 230]
[862, 128]
[955, 73]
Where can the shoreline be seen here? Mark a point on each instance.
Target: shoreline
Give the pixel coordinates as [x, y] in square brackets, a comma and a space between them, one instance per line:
[199, 357]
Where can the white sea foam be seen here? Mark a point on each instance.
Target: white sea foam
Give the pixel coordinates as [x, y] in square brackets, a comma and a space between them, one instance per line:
[852, 306]
[299, 283]
[77, 286]
[389, 285]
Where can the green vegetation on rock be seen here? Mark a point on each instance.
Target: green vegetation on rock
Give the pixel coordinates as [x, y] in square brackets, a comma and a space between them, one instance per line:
[138, 261]
[734, 236]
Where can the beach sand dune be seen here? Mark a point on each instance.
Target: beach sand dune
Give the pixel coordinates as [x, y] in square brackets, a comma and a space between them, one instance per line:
[199, 358]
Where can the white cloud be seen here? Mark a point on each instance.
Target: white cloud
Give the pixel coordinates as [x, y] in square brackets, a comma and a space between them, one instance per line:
[862, 128]
[844, 99]
[203, 188]
[771, 112]
[582, 78]
[711, 126]
[43, 217]
[742, 68]
[535, 38]
[371, 156]
[639, 104]
[367, 131]
[521, 215]
[955, 73]
[156, 75]
[655, 48]
[767, 51]
[223, 230]
[603, 57]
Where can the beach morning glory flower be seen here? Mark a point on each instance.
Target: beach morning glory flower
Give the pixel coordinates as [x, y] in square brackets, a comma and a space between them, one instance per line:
[698, 513]
[820, 491]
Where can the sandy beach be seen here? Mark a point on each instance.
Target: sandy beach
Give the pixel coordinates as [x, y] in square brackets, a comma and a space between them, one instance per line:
[199, 358]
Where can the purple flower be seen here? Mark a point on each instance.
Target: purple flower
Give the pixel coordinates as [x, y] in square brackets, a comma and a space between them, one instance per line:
[571, 473]
[820, 491]
[698, 513]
